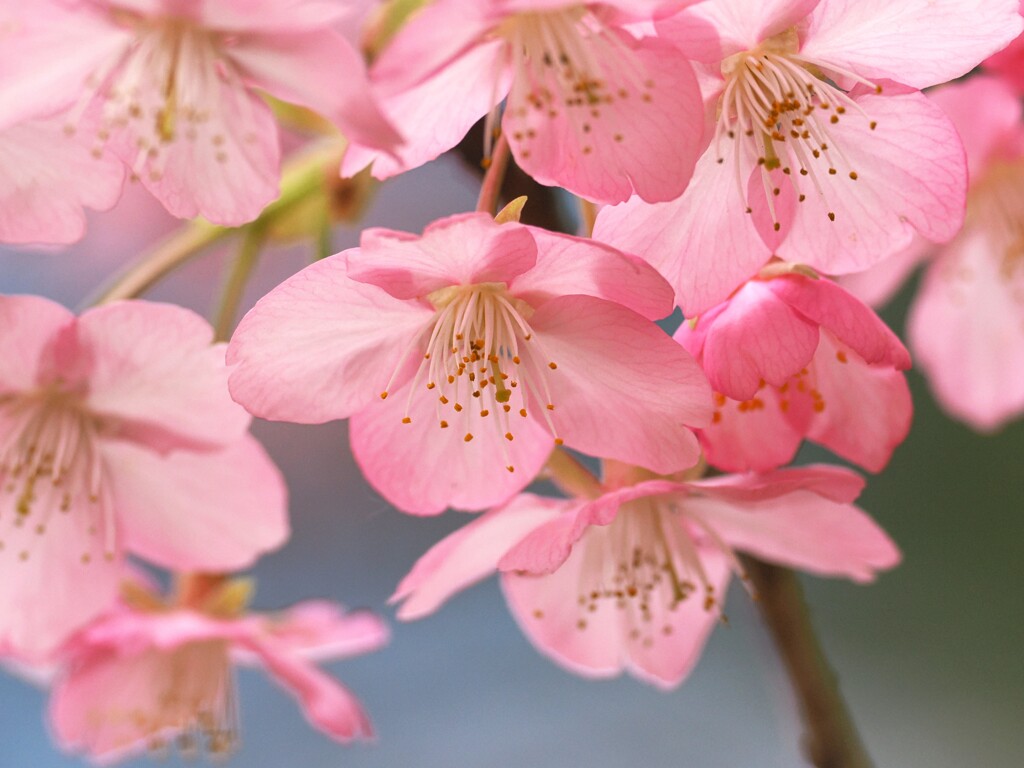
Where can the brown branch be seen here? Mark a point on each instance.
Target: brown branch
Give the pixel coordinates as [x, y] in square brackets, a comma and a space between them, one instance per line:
[830, 738]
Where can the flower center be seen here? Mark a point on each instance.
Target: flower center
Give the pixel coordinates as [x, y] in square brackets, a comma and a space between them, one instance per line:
[165, 87]
[784, 107]
[483, 362]
[567, 62]
[645, 563]
[193, 700]
[49, 463]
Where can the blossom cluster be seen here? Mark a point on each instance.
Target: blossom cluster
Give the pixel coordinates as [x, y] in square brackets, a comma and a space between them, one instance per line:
[767, 170]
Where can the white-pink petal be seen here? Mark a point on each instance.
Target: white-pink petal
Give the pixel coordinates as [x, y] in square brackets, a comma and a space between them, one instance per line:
[321, 346]
[915, 42]
[471, 553]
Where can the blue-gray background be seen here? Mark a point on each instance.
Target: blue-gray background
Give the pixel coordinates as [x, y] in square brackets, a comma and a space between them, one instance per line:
[930, 657]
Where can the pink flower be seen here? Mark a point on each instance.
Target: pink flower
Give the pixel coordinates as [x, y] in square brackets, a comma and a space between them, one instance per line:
[174, 82]
[635, 579]
[823, 151]
[794, 357]
[589, 107]
[1009, 62]
[966, 325]
[464, 355]
[46, 179]
[151, 677]
[117, 435]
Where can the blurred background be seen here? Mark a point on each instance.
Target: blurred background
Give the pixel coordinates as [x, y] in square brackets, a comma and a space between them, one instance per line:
[929, 657]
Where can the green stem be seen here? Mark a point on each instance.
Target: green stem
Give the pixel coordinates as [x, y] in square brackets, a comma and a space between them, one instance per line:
[830, 738]
[238, 276]
[303, 176]
[161, 260]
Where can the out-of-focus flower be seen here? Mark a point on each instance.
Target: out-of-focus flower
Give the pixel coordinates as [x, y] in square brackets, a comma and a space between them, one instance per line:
[149, 676]
[174, 84]
[966, 325]
[589, 107]
[791, 357]
[823, 151]
[463, 355]
[635, 579]
[117, 435]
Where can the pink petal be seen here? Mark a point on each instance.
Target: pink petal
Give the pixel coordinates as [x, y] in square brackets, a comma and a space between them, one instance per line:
[753, 435]
[844, 316]
[704, 251]
[915, 42]
[1008, 62]
[622, 389]
[320, 70]
[548, 546]
[719, 28]
[321, 346]
[320, 631]
[211, 511]
[31, 324]
[865, 410]
[459, 250]
[440, 110]
[902, 186]
[669, 659]
[47, 178]
[153, 368]
[282, 16]
[756, 339]
[103, 683]
[581, 266]
[54, 575]
[470, 554]
[638, 131]
[47, 53]
[326, 703]
[603, 642]
[802, 530]
[830, 482]
[967, 330]
[224, 168]
[432, 39]
[423, 468]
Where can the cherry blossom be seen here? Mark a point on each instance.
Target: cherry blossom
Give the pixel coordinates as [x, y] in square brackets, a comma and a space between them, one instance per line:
[150, 676]
[795, 356]
[823, 151]
[117, 435]
[589, 107]
[174, 83]
[635, 579]
[465, 354]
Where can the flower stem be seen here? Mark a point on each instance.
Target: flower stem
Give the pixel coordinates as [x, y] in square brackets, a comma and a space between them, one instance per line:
[238, 276]
[161, 260]
[497, 165]
[571, 477]
[830, 736]
[302, 177]
[588, 215]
